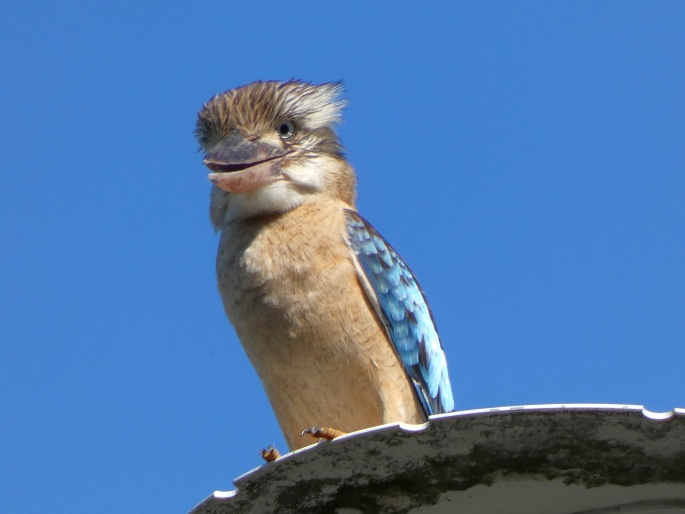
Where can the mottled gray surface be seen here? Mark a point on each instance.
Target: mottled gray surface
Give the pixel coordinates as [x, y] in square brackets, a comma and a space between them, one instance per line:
[537, 459]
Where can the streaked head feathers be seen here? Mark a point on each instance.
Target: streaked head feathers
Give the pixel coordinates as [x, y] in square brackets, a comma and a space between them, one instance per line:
[260, 105]
[272, 147]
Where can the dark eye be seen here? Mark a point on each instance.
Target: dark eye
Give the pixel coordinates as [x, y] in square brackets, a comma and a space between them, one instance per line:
[286, 130]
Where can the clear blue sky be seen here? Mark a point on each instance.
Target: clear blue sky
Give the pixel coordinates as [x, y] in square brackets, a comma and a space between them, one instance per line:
[527, 160]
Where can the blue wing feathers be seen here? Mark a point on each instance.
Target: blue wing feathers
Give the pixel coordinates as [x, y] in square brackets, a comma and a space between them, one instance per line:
[405, 313]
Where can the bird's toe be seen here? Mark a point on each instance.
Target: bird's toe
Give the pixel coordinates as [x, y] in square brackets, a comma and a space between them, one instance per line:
[269, 454]
[326, 433]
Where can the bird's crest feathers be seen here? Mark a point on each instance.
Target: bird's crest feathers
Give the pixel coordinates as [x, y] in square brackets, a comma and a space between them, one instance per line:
[315, 106]
[262, 104]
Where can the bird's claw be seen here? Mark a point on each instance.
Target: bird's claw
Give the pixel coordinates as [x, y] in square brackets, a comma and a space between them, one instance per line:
[270, 454]
[326, 433]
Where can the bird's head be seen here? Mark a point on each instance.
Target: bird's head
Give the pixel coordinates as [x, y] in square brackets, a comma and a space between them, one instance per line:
[271, 147]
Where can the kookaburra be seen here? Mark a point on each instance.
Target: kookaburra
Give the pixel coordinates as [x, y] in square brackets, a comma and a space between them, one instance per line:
[328, 313]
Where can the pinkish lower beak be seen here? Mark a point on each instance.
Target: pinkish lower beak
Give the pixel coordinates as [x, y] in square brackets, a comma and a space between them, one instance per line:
[250, 178]
[240, 165]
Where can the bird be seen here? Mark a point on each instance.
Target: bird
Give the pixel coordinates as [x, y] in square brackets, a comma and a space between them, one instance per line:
[330, 316]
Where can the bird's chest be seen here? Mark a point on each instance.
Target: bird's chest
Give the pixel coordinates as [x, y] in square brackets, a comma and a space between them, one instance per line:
[285, 283]
[269, 278]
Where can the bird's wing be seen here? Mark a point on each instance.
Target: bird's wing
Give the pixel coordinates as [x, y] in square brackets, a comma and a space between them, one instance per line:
[402, 307]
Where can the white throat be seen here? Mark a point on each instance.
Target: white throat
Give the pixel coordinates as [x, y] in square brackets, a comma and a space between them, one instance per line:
[303, 180]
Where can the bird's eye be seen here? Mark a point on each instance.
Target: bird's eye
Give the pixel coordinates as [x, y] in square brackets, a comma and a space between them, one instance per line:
[286, 130]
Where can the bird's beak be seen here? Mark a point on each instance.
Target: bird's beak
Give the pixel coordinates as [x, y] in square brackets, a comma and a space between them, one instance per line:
[241, 165]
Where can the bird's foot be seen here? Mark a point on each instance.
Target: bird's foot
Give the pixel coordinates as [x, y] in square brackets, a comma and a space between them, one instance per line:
[270, 454]
[323, 433]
